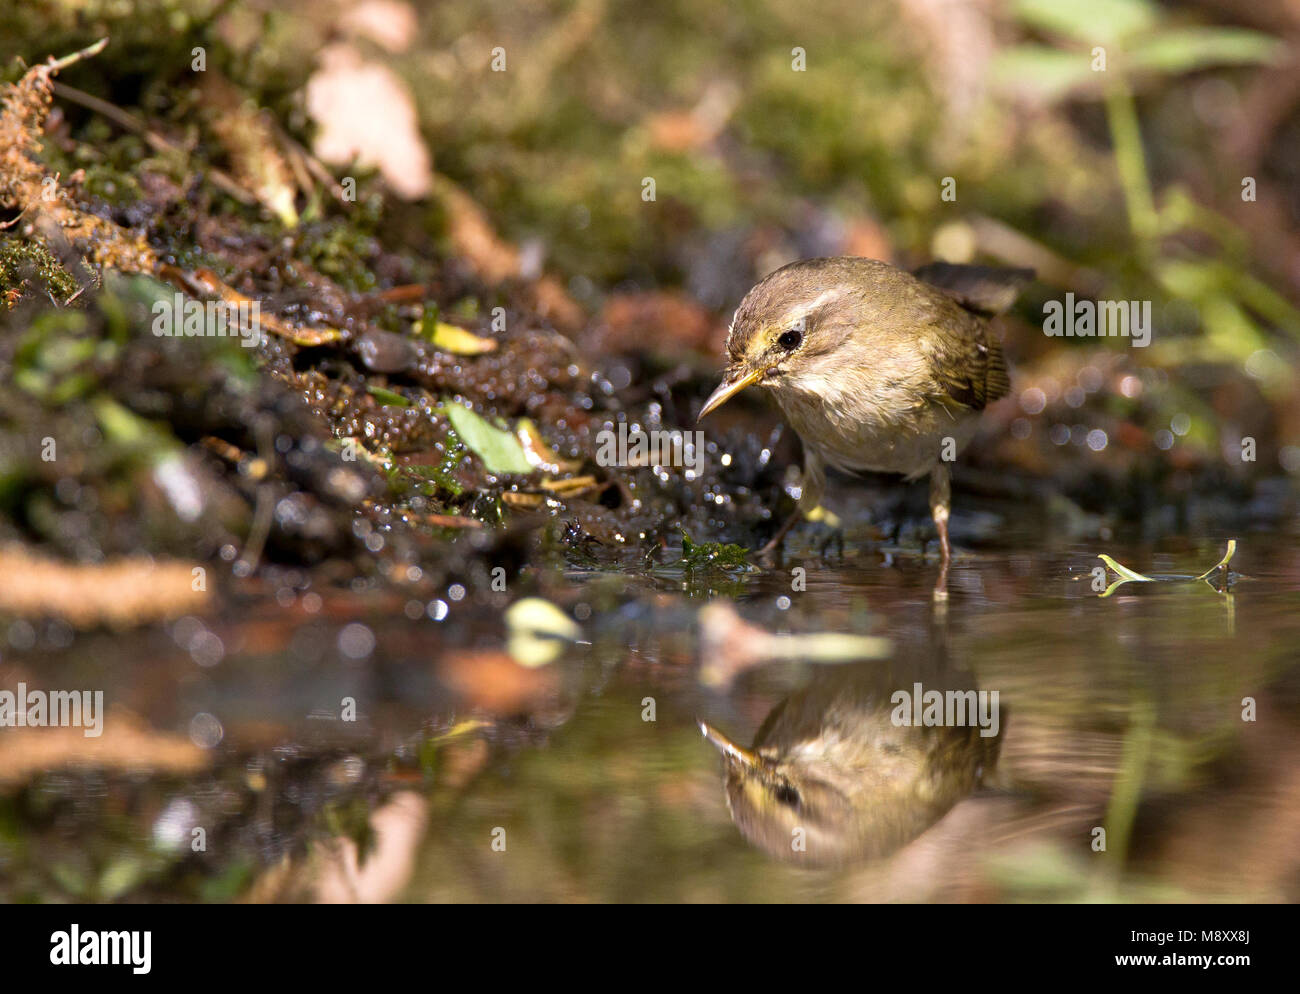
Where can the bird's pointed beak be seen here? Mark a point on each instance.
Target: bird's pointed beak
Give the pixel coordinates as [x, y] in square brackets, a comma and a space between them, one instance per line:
[728, 389]
[729, 749]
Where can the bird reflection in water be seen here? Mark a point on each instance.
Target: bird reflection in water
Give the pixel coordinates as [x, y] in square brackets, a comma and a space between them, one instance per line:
[835, 776]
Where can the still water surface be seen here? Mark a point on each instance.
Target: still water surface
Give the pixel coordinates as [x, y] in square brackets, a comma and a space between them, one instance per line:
[1165, 714]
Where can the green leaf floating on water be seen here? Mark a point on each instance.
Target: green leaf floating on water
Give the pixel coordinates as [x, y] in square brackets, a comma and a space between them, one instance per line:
[1222, 563]
[1124, 571]
[1127, 575]
[499, 450]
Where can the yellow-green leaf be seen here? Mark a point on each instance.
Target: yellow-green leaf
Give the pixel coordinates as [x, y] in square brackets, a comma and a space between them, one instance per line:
[389, 398]
[499, 450]
[1123, 570]
[458, 341]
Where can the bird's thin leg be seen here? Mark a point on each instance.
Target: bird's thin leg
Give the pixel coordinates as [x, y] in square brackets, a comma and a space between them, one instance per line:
[812, 489]
[776, 540]
[940, 502]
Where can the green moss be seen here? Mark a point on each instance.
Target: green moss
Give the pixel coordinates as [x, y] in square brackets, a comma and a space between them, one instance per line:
[22, 260]
[342, 249]
[713, 555]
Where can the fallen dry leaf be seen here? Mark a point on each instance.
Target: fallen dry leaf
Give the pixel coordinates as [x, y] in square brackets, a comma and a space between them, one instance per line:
[390, 23]
[366, 114]
[120, 593]
[494, 682]
[729, 646]
[125, 745]
[667, 320]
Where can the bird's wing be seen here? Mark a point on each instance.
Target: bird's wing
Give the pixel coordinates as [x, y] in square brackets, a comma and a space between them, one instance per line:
[970, 369]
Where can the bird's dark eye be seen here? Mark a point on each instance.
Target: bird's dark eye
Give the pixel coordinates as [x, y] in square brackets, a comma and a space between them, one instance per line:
[790, 339]
[787, 795]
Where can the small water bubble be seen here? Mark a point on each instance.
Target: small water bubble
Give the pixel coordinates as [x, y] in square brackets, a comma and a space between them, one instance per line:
[22, 635]
[67, 490]
[1263, 364]
[356, 641]
[581, 287]
[59, 634]
[207, 649]
[206, 731]
[1033, 400]
[185, 629]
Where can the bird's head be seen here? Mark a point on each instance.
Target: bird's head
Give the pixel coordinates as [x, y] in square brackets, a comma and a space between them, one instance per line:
[783, 806]
[796, 321]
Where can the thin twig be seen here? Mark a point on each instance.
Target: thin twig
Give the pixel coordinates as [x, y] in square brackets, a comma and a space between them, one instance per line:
[89, 51]
[129, 122]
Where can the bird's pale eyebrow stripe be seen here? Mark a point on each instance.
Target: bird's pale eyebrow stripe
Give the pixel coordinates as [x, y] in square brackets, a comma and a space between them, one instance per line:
[824, 298]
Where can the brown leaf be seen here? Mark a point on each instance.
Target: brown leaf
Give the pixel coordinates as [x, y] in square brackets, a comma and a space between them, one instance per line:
[366, 114]
[494, 682]
[125, 745]
[664, 320]
[120, 593]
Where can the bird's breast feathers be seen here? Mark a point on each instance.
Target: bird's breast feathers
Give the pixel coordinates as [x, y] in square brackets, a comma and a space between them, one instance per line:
[853, 423]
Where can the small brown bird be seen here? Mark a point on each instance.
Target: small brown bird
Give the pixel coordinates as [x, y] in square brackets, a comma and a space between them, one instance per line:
[876, 369]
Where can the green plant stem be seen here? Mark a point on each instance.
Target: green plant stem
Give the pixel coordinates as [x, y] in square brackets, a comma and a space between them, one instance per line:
[1121, 116]
[1127, 791]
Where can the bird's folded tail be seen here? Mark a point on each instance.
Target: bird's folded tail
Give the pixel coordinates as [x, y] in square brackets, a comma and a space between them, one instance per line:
[985, 290]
